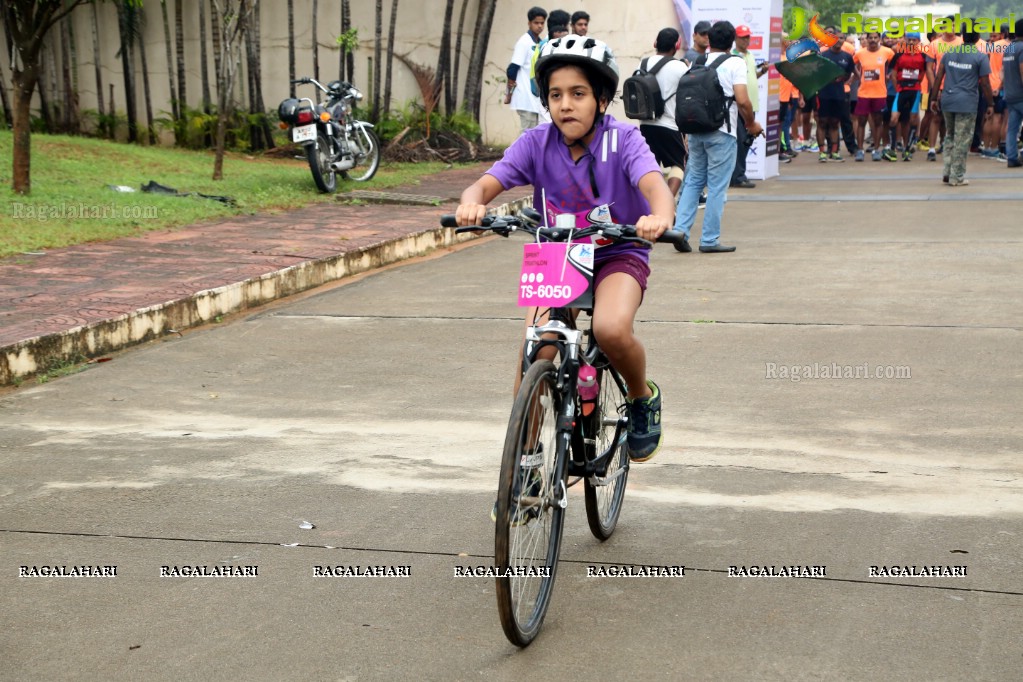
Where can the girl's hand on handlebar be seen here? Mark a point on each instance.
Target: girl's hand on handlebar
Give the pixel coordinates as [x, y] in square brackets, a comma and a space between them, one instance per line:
[470, 214]
[650, 227]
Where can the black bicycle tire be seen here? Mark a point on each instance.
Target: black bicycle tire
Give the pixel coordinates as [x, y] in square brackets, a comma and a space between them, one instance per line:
[522, 634]
[603, 526]
[323, 176]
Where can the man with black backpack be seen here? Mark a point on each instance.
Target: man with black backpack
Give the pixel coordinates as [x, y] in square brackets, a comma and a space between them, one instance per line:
[710, 98]
[660, 129]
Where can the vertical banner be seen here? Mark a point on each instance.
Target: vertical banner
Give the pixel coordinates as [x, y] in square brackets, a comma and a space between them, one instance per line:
[764, 19]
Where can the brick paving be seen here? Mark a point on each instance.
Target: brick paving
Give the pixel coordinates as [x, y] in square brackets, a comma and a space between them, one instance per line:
[80, 285]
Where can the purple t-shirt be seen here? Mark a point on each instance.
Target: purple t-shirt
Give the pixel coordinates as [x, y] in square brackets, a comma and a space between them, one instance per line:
[619, 157]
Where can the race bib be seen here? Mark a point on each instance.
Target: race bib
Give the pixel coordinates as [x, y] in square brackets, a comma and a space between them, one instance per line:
[556, 274]
[910, 74]
[871, 75]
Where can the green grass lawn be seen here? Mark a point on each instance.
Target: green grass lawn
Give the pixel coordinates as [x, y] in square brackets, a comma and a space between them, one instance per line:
[71, 202]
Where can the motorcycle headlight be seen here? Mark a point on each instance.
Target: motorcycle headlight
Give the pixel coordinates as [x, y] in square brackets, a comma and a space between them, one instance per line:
[356, 95]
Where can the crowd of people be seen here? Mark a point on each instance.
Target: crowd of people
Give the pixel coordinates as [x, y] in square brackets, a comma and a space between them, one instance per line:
[894, 98]
[949, 94]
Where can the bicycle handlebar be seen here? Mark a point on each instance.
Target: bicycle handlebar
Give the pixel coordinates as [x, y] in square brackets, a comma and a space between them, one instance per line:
[528, 221]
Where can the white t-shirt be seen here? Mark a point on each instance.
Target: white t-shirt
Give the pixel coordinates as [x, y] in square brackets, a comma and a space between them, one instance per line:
[667, 79]
[730, 72]
[523, 98]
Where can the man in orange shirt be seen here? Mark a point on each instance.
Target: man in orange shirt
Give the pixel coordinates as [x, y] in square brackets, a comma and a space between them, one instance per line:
[994, 128]
[871, 65]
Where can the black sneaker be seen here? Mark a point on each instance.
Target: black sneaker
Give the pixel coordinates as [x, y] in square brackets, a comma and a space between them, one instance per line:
[534, 486]
[644, 438]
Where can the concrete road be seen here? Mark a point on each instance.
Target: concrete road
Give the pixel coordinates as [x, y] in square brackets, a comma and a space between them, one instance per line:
[375, 411]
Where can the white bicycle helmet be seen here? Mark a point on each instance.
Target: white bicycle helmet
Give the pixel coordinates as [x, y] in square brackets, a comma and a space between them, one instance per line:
[582, 51]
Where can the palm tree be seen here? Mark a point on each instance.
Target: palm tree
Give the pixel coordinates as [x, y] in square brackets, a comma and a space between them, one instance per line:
[316, 46]
[203, 62]
[150, 130]
[390, 56]
[175, 113]
[128, 26]
[346, 58]
[443, 69]
[480, 40]
[70, 123]
[456, 69]
[8, 113]
[260, 134]
[291, 45]
[179, 40]
[376, 59]
[44, 90]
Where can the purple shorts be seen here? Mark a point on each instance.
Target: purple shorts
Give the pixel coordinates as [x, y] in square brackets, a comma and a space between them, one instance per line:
[870, 105]
[631, 265]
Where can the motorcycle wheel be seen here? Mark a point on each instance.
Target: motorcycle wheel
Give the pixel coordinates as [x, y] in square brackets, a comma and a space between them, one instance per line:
[319, 163]
[369, 159]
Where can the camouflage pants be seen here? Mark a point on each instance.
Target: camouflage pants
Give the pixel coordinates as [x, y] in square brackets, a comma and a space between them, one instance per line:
[958, 136]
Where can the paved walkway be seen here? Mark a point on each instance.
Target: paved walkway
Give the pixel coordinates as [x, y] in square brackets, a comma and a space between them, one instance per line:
[86, 300]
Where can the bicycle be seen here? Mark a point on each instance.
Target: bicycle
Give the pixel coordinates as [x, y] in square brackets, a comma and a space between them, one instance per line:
[556, 437]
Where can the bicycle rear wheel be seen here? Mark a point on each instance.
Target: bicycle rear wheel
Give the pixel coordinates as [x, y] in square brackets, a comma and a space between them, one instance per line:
[604, 494]
[529, 512]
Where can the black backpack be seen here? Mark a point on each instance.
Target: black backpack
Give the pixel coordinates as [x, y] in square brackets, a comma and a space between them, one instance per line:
[700, 102]
[641, 93]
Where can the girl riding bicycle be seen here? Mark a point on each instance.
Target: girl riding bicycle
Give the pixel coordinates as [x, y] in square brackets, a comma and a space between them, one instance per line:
[586, 163]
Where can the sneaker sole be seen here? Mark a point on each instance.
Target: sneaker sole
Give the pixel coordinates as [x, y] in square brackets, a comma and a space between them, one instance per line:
[651, 455]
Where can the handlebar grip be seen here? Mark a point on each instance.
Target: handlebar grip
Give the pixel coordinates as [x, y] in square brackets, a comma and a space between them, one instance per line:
[671, 237]
[448, 220]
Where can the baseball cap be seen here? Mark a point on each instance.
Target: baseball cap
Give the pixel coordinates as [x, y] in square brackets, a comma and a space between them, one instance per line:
[742, 30]
[701, 27]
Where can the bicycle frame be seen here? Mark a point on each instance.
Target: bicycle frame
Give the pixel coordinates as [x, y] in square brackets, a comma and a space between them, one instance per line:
[568, 340]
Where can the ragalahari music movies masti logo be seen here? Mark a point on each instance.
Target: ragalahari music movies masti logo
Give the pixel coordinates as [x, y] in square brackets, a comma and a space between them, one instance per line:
[818, 38]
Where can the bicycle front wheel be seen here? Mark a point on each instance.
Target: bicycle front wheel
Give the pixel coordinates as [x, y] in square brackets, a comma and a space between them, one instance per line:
[606, 490]
[530, 515]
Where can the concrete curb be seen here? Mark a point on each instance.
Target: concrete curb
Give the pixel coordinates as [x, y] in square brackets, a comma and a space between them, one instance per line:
[47, 351]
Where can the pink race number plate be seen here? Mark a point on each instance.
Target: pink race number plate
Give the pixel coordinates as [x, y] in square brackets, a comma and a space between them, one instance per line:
[551, 280]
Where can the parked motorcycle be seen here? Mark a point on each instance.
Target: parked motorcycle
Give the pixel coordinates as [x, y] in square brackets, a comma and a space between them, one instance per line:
[334, 141]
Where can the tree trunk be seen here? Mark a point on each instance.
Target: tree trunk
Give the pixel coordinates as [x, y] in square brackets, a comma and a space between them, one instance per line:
[316, 45]
[44, 94]
[232, 25]
[203, 61]
[8, 114]
[175, 110]
[480, 40]
[390, 56]
[260, 133]
[378, 35]
[291, 45]
[150, 129]
[70, 122]
[27, 24]
[179, 43]
[124, 22]
[24, 83]
[443, 69]
[349, 58]
[215, 30]
[7, 103]
[457, 68]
